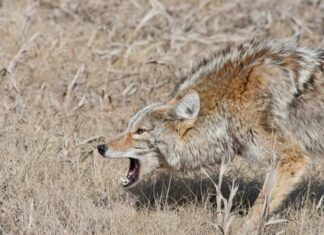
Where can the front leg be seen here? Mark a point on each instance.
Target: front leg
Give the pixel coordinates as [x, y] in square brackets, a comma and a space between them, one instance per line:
[290, 167]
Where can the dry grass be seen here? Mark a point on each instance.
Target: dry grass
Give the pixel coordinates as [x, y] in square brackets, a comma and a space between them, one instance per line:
[72, 73]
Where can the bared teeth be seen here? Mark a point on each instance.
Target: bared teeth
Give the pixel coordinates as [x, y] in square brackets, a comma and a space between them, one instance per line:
[132, 173]
[124, 181]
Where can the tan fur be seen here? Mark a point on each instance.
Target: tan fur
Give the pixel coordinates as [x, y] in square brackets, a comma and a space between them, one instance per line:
[254, 101]
[121, 144]
[290, 168]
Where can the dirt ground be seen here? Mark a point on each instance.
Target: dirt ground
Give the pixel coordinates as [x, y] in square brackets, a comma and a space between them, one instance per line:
[71, 74]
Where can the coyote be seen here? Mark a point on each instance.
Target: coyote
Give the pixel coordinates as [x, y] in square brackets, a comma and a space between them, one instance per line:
[250, 101]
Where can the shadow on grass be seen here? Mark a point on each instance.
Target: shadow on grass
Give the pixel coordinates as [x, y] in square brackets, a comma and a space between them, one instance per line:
[307, 191]
[172, 191]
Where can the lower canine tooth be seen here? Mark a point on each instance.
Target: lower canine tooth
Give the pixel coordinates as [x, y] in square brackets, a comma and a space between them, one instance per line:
[124, 181]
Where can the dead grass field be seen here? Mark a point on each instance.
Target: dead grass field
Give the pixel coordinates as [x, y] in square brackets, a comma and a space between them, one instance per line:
[74, 71]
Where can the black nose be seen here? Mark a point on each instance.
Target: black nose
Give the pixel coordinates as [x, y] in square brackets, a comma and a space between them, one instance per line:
[102, 149]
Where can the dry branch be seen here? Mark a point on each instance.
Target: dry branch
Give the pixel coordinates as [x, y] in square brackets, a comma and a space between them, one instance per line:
[73, 82]
[13, 63]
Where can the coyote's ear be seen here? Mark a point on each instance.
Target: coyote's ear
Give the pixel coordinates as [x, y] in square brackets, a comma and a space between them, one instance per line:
[188, 106]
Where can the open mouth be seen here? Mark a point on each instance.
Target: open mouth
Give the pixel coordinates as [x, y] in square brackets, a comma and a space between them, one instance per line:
[133, 172]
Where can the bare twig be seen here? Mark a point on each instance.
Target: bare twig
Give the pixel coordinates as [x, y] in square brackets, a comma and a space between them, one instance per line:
[13, 63]
[269, 184]
[223, 205]
[275, 221]
[31, 210]
[131, 89]
[91, 139]
[156, 9]
[169, 184]
[73, 82]
[320, 203]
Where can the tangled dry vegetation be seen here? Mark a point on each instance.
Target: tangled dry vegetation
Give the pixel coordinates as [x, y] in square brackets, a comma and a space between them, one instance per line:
[72, 73]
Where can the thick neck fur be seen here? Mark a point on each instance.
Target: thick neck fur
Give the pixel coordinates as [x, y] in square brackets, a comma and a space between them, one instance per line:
[206, 144]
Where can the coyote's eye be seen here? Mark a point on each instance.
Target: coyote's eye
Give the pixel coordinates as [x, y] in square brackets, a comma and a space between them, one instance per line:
[139, 131]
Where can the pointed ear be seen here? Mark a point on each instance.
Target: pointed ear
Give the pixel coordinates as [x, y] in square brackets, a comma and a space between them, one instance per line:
[188, 106]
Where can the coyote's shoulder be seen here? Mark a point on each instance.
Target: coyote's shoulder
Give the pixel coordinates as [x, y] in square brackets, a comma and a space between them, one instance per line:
[274, 84]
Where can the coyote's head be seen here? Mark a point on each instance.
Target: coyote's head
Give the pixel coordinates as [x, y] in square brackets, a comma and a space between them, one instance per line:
[152, 135]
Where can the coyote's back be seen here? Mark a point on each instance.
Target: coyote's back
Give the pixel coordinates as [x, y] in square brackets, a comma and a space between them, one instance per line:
[284, 85]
